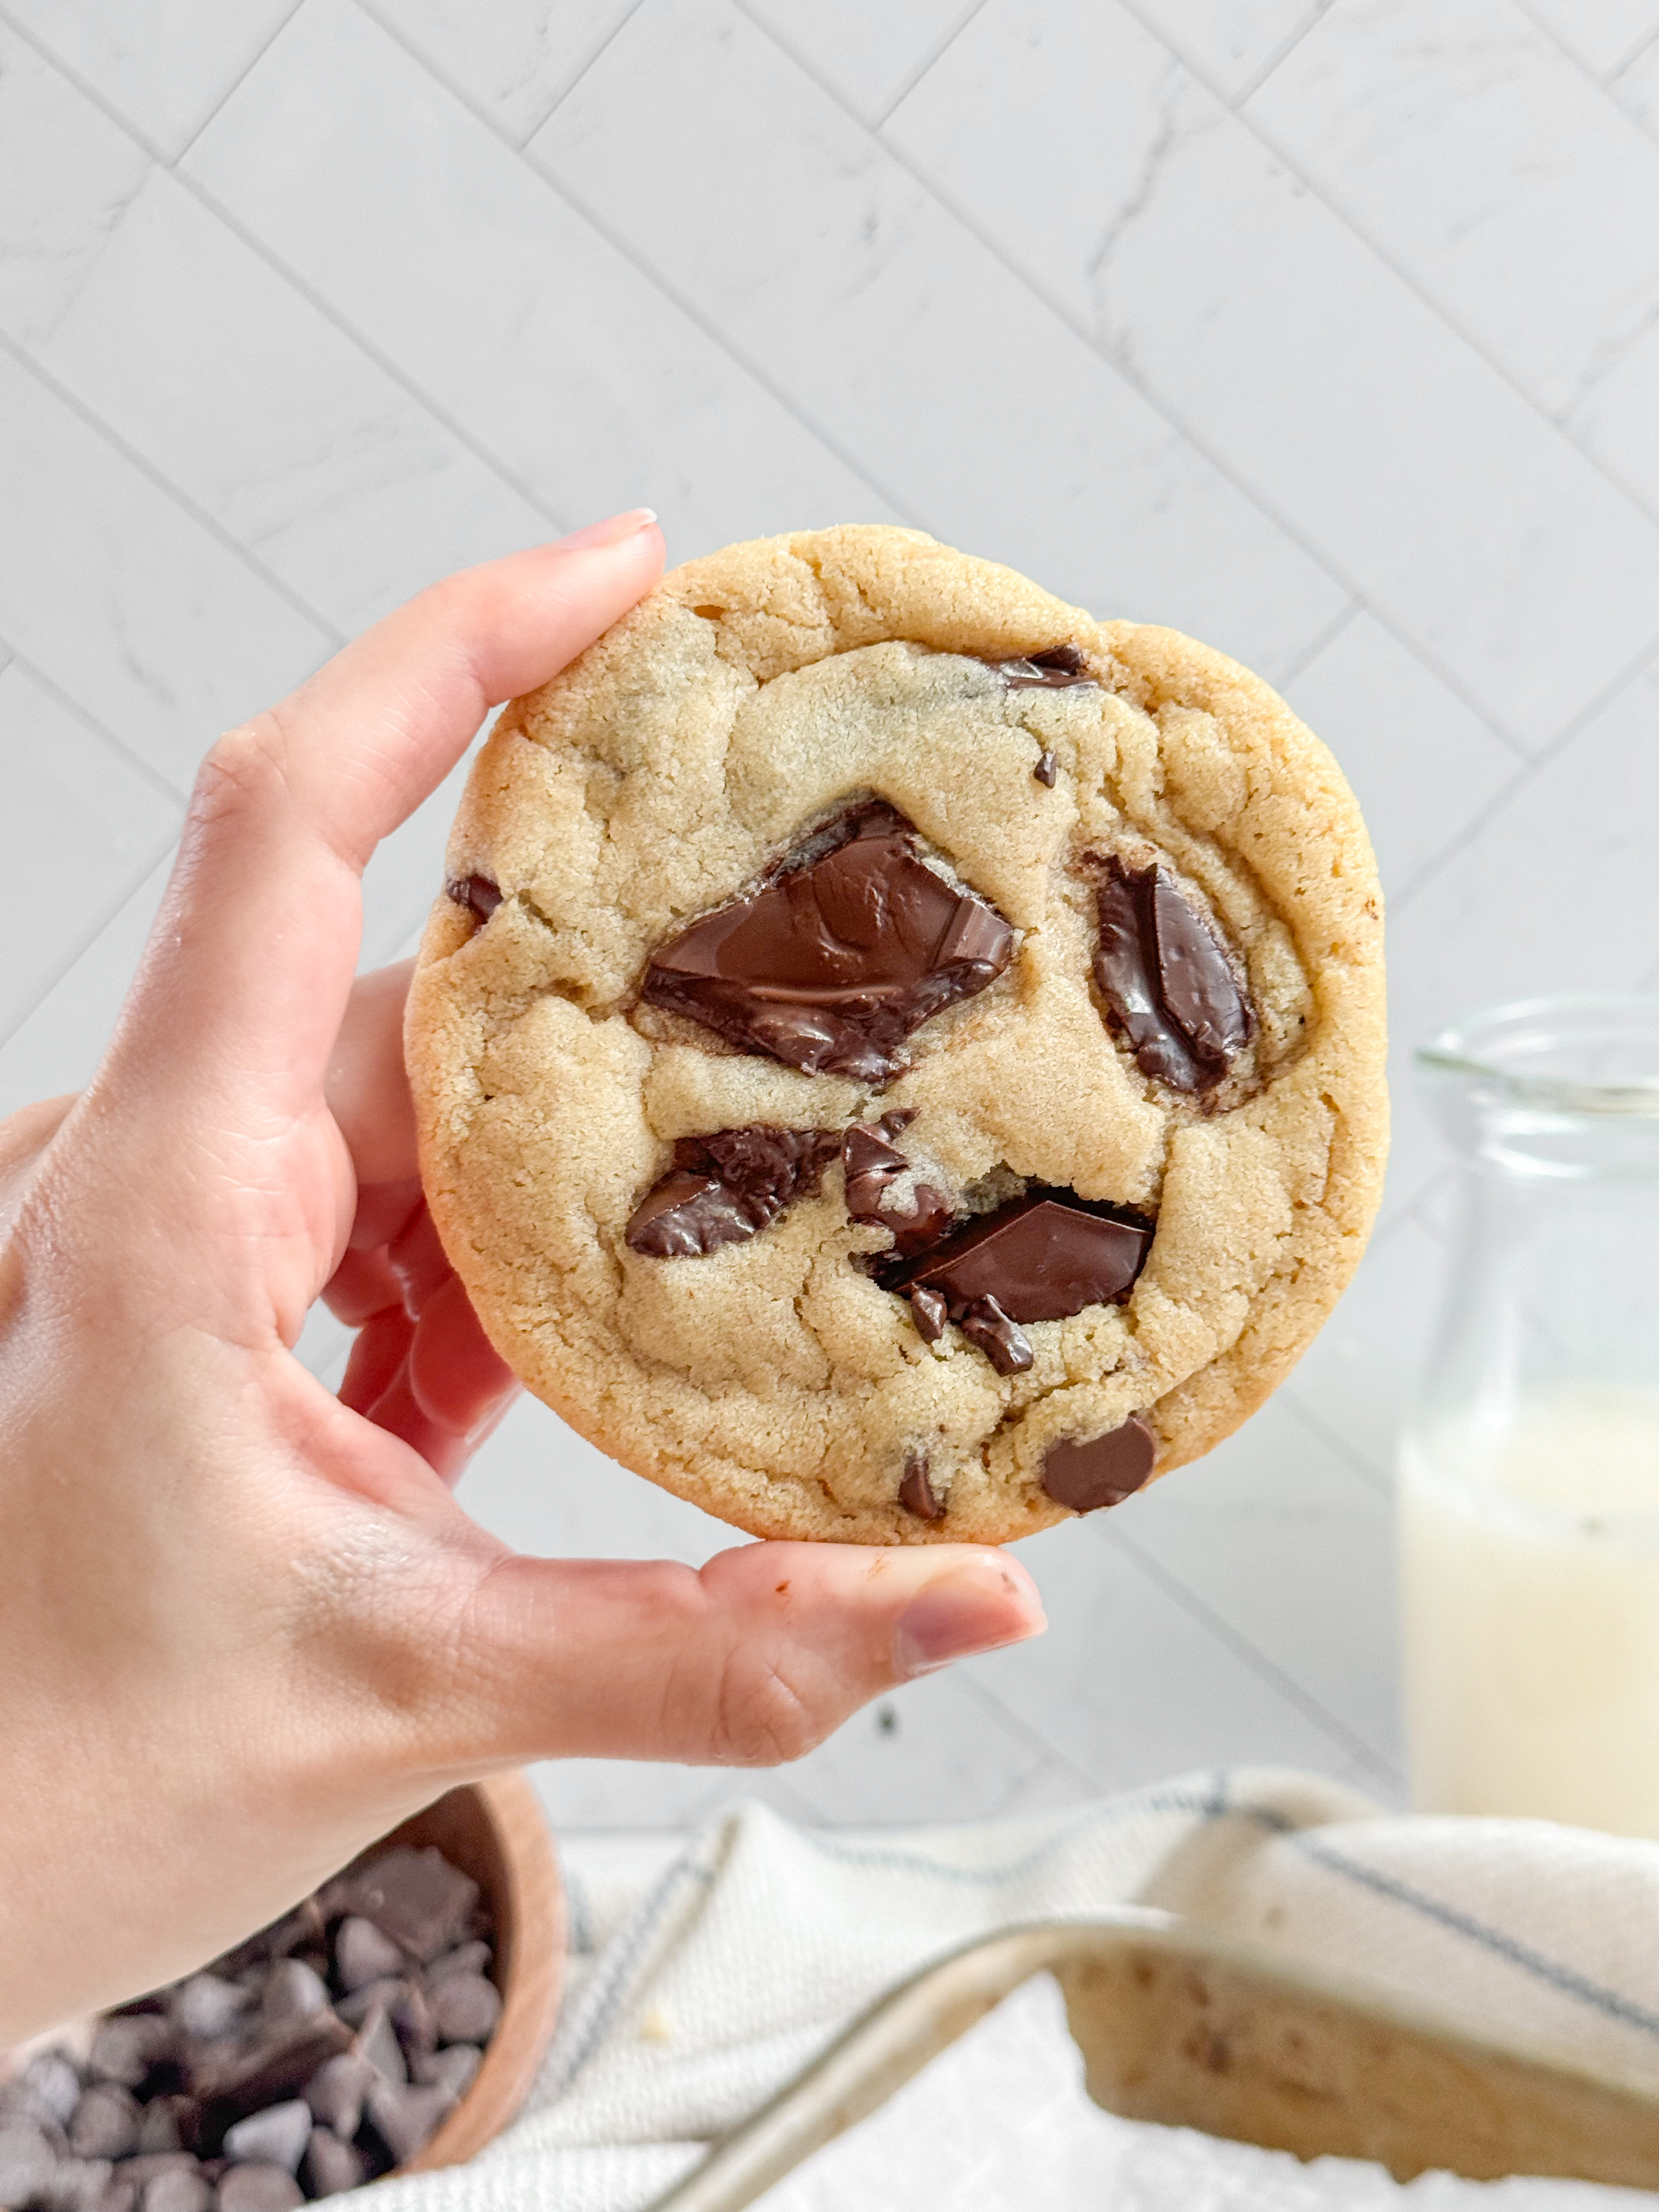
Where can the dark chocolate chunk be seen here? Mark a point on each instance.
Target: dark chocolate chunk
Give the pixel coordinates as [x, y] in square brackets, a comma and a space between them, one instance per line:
[362, 1953]
[377, 2042]
[105, 2122]
[930, 1309]
[277, 2136]
[476, 892]
[77, 2184]
[384, 1992]
[833, 963]
[416, 1897]
[725, 1189]
[1047, 769]
[207, 2006]
[294, 1990]
[916, 1492]
[871, 1168]
[275, 2064]
[1102, 1470]
[1040, 1257]
[127, 2047]
[1002, 1340]
[1055, 670]
[332, 2166]
[451, 2069]
[182, 2190]
[465, 1959]
[465, 2008]
[120, 2194]
[406, 2117]
[1167, 980]
[258, 2189]
[49, 2085]
[336, 2091]
[167, 2125]
[28, 2159]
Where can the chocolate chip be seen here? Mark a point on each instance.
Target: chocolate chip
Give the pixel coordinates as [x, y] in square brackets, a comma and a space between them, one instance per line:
[465, 1959]
[476, 892]
[726, 1187]
[1056, 669]
[77, 2184]
[930, 1309]
[451, 2069]
[465, 2007]
[105, 2122]
[27, 2159]
[916, 1491]
[362, 1953]
[377, 2042]
[127, 2046]
[259, 2189]
[1099, 1470]
[275, 2065]
[840, 956]
[120, 2194]
[1167, 980]
[416, 1897]
[406, 2118]
[336, 2091]
[332, 2166]
[1004, 1343]
[871, 1168]
[207, 2006]
[179, 2191]
[1047, 769]
[145, 2167]
[165, 2125]
[1040, 1257]
[49, 2084]
[277, 2136]
[294, 1990]
[383, 1992]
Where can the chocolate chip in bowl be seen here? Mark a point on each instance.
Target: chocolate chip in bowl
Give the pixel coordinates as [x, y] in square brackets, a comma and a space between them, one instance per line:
[390, 2022]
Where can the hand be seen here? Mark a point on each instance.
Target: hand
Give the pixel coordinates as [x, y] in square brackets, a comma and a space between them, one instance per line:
[244, 1627]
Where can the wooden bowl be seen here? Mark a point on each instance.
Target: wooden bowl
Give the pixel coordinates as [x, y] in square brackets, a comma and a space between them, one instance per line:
[496, 1832]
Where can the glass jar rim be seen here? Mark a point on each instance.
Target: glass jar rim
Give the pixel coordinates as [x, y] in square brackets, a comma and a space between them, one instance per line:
[1542, 1052]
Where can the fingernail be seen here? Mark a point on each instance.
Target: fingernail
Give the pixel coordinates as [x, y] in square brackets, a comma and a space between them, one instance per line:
[969, 1609]
[609, 532]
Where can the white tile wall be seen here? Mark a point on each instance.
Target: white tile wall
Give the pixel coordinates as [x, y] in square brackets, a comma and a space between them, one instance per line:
[1328, 329]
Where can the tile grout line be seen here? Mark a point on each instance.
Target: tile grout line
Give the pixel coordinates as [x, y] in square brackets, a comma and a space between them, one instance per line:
[940, 47]
[1371, 1473]
[1643, 44]
[1300, 663]
[1603, 82]
[618, 245]
[173, 492]
[1290, 1690]
[161, 784]
[1159, 406]
[81, 950]
[1398, 270]
[570, 82]
[232, 89]
[389, 367]
[1050, 1753]
[1282, 51]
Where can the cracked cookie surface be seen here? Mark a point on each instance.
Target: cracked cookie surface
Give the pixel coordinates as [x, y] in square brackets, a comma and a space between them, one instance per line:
[899, 1060]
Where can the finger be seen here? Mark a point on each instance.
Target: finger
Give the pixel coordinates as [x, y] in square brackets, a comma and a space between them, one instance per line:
[366, 1086]
[24, 1136]
[240, 1000]
[457, 1377]
[751, 1661]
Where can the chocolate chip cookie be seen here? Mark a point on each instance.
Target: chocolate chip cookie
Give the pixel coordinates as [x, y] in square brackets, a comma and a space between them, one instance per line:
[896, 1059]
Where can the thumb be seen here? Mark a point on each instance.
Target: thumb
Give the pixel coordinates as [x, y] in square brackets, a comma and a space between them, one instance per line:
[749, 1661]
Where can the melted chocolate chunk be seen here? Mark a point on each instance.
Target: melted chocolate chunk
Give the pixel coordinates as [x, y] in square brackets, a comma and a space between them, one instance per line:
[930, 1309]
[1040, 1257]
[1002, 1340]
[1167, 980]
[916, 1492]
[1055, 670]
[1104, 1471]
[476, 892]
[725, 1188]
[873, 1168]
[841, 955]
[1047, 769]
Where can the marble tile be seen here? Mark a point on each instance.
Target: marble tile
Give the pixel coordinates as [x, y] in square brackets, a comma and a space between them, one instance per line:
[1319, 375]
[1357, 1379]
[939, 1749]
[1279, 1539]
[1423, 766]
[406, 873]
[87, 815]
[1230, 43]
[513, 57]
[232, 386]
[61, 1042]
[123, 598]
[1601, 35]
[867, 51]
[1450, 133]
[166, 64]
[901, 336]
[614, 1793]
[1636, 86]
[1129, 1684]
[1556, 894]
[440, 245]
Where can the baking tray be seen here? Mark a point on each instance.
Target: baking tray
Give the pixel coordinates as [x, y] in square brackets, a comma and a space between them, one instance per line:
[1196, 2031]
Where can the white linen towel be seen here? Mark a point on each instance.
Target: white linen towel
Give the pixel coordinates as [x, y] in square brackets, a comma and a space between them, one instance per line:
[706, 1971]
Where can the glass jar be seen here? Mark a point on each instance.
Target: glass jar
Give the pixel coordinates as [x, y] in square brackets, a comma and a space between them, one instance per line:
[1529, 1474]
